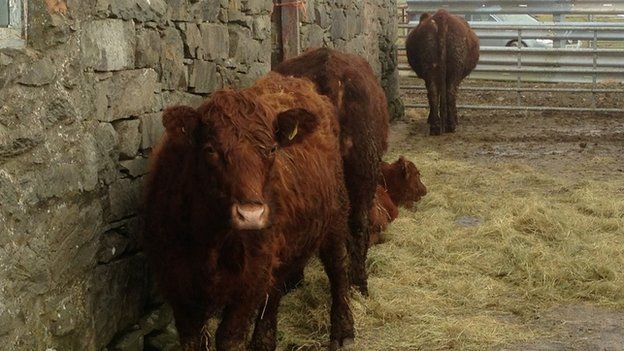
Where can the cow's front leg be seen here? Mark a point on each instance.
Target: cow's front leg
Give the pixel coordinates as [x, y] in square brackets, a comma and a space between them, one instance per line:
[235, 321]
[264, 336]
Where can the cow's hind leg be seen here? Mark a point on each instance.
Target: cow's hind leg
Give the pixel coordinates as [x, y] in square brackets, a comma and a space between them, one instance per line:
[333, 254]
[433, 96]
[451, 121]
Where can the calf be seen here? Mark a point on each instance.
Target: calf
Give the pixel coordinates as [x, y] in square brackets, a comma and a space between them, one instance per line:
[243, 191]
[400, 186]
[350, 83]
[442, 50]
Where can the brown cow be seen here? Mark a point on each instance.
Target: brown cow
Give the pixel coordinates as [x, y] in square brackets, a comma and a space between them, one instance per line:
[350, 83]
[400, 186]
[242, 191]
[442, 50]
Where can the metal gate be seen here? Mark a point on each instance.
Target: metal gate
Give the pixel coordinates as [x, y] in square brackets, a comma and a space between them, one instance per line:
[596, 62]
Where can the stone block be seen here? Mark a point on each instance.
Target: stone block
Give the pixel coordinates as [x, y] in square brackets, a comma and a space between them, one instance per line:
[112, 245]
[171, 98]
[124, 197]
[39, 73]
[117, 297]
[174, 73]
[148, 48]
[254, 7]
[129, 137]
[206, 10]
[338, 24]
[132, 341]
[192, 39]
[243, 48]
[312, 36]
[166, 340]
[204, 77]
[261, 26]
[322, 17]
[152, 129]
[139, 10]
[108, 45]
[133, 93]
[134, 168]
[215, 41]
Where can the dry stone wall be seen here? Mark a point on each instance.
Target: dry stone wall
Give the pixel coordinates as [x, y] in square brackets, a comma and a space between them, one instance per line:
[80, 109]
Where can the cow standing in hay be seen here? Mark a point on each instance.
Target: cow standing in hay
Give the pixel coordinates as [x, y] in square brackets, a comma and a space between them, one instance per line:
[243, 191]
[350, 83]
[442, 50]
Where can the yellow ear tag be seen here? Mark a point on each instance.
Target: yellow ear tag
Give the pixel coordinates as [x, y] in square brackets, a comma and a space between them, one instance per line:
[294, 132]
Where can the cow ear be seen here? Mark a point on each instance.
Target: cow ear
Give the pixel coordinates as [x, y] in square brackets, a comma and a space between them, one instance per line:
[405, 170]
[294, 125]
[181, 123]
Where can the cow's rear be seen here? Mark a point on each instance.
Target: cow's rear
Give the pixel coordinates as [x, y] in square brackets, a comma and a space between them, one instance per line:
[442, 50]
[350, 83]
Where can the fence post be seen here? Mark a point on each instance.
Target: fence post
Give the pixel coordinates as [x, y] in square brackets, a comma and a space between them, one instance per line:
[290, 28]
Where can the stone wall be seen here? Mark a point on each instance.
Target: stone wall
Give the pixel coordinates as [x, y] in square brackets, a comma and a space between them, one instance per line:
[79, 112]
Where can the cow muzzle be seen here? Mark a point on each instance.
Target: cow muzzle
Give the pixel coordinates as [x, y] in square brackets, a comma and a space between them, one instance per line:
[250, 216]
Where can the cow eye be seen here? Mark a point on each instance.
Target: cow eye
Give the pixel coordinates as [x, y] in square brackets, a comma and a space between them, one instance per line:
[272, 150]
[209, 149]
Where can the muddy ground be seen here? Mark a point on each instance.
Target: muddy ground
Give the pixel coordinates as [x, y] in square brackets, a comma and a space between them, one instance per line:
[575, 145]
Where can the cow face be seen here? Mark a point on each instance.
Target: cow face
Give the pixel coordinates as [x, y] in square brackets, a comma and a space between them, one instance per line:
[240, 140]
[403, 182]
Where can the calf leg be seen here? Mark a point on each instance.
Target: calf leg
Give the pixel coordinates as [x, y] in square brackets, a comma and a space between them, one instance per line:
[293, 280]
[433, 97]
[334, 256]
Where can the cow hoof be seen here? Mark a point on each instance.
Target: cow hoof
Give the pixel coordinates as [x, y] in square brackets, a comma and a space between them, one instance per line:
[348, 344]
[450, 130]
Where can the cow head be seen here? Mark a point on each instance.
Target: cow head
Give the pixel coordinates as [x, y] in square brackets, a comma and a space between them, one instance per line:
[239, 139]
[402, 179]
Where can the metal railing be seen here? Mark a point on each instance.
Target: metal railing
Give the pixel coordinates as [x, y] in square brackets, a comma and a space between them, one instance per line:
[593, 64]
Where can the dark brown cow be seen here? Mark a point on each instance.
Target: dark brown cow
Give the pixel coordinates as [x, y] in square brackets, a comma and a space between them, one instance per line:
[243, 191]
[442, 50]
[400, 186]
[350, 83]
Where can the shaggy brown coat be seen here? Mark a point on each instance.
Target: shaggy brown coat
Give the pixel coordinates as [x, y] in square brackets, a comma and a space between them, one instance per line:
[399, 186]
[273, 146]
[350, 83]
[442, 50]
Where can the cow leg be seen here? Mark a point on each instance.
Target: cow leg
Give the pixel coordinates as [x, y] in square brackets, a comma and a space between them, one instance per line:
[359, 243]
[264, 335]
[333, 254]
[235, 322]
[189, 320]
[433, 97]
[451, 122]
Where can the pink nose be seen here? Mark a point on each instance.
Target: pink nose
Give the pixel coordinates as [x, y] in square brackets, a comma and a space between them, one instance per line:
[250, 216]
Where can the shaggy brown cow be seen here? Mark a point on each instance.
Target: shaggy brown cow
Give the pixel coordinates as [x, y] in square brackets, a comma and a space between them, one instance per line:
[442, 50]
[400, 186]
[241, 192]
[350, 83]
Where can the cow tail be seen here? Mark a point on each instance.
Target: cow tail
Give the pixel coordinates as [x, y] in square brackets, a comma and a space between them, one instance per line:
[442, 52]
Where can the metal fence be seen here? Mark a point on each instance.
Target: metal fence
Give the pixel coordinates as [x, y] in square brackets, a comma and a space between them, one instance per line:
[593, 62]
